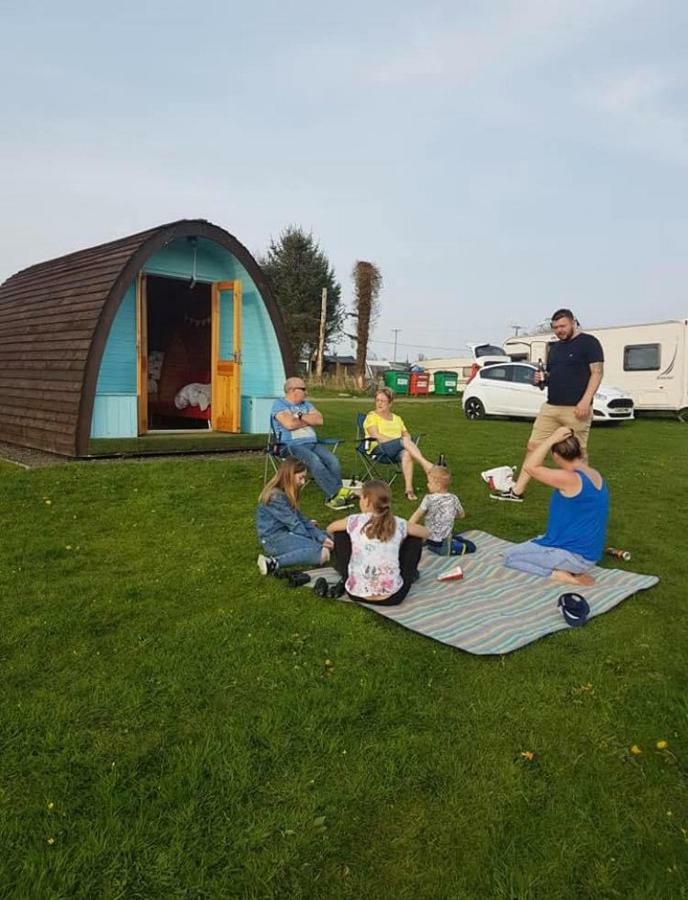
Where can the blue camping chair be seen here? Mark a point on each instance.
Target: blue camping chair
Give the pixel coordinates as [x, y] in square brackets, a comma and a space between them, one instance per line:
[276, 450]
[379, 466]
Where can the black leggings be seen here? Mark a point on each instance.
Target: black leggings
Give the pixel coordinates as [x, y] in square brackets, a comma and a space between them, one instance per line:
[409, 556]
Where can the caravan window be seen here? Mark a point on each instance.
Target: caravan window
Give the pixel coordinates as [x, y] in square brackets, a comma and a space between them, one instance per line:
[641, 357]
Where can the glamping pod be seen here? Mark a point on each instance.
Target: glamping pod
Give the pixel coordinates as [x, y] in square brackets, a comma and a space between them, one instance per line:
[173, 328]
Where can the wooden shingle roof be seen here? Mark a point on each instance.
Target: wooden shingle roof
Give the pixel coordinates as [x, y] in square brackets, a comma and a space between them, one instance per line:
[54, 321]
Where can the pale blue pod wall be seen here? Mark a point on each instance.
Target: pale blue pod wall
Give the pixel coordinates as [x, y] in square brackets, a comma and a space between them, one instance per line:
[114, 407]
[262, 370]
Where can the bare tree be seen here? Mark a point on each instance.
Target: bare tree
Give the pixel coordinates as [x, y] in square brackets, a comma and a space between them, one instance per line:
[367, 285]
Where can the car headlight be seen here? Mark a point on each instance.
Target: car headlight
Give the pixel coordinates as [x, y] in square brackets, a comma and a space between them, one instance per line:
[600, 396]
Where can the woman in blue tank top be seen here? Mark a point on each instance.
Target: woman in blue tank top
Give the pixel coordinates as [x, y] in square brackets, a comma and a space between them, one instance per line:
[578, 513]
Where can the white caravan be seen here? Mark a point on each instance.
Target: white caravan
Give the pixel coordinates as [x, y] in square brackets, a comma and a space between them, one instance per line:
[649, 362]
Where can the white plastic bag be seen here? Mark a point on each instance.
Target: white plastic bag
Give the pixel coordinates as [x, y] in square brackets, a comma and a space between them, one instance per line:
[501, 478]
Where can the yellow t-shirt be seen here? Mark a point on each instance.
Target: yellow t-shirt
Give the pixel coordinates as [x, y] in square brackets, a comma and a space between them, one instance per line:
[388, 428]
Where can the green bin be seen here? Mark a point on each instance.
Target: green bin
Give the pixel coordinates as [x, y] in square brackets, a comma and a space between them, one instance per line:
[446, 382]
[397, 381]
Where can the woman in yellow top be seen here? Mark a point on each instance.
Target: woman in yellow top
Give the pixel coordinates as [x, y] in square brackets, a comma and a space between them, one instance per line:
[390, 437]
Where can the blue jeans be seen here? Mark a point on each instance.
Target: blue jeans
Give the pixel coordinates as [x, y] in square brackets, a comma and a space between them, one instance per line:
[293, 550]
[538, 560]
[322, 464]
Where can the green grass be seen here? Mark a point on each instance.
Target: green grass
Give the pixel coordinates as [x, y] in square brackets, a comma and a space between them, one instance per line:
[169, 726]
[328, 391]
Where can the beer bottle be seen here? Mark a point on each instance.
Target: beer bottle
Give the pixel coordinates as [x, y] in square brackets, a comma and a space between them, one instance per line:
[619, 554]
[541, 371]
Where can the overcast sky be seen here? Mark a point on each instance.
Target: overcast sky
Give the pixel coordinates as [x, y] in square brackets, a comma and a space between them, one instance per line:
[495, 159]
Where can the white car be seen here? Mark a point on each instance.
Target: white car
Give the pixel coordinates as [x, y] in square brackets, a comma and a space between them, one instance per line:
[508, 389]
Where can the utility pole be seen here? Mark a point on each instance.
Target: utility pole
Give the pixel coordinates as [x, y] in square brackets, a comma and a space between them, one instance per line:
[396, 332]
[321, 338]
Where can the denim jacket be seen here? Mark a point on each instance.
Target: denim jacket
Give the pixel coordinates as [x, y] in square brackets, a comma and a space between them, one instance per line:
[280, 517]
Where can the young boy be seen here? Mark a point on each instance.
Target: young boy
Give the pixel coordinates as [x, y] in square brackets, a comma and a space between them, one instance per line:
[439, 508]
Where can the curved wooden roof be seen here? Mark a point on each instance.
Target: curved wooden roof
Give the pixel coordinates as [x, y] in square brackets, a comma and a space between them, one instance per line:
[54, 321]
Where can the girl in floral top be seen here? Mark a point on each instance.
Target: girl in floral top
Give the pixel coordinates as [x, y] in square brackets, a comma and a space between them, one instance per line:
[377, 552]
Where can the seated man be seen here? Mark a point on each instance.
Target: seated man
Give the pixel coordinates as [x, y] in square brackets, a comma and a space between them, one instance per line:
[293, 420]
[578, 512]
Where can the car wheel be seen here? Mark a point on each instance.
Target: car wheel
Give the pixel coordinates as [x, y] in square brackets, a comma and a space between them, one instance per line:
[474, 409]
[683, 414]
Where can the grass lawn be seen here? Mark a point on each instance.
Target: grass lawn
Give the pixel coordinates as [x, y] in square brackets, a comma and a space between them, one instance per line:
[173, 725]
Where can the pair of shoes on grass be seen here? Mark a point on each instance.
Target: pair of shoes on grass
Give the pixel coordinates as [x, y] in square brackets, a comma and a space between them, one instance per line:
[343, 499]
[322, 588]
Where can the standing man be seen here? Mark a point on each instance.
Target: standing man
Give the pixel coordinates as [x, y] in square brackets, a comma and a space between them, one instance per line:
[574, 371]
[293, 420]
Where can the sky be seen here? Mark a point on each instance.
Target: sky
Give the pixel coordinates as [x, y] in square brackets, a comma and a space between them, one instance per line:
[495, 159]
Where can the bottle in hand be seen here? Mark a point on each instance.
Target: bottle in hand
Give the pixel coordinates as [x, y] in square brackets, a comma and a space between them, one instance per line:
[540, 375]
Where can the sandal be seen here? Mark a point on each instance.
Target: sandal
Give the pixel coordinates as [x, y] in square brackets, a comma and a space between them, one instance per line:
[410, 495]
[297, 579]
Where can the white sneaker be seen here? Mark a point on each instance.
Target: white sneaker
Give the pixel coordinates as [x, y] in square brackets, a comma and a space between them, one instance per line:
[267, 565]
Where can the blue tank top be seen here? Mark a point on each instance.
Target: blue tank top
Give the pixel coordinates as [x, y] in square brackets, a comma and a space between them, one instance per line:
[579, 523]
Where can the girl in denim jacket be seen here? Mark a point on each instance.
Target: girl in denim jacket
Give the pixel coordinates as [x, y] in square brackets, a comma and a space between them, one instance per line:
[288, 538]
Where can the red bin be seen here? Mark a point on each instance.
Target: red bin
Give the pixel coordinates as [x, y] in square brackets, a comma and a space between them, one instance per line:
[419, 383]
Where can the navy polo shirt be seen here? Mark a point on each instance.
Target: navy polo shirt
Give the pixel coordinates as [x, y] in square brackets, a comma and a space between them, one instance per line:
[568, 365]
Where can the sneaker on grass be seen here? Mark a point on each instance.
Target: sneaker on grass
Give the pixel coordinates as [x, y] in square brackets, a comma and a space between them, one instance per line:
[510, 495]
[267, 565]
[338, 502]
[343, 499]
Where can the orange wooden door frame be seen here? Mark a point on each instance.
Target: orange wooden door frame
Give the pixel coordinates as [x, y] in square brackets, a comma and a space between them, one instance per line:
[142, 354]
[226, 373]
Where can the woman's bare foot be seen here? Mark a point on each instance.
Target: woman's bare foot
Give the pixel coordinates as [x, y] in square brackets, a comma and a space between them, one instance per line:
[582, 580]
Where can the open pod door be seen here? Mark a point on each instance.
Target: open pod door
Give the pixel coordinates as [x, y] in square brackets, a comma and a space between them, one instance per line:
[226, 356]
[142, 354]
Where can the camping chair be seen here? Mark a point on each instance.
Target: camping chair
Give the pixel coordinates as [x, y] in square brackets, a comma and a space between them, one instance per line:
[373, 464]
[277, 450]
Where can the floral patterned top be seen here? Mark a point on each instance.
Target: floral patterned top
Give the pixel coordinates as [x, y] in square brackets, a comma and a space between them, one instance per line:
[374, 565]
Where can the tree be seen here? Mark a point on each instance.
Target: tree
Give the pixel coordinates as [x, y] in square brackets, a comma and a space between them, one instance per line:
[367, 285]
[297, 271]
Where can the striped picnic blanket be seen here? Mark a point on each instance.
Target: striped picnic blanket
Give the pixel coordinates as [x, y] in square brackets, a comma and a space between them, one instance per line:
[495, 610]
